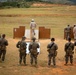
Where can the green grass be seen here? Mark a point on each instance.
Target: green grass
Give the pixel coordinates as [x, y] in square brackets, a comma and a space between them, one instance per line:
[51, 10]
[56, 18]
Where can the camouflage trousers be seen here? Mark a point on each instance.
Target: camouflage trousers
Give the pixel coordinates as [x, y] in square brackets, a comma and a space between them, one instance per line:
[22, 56]
[67, 35]
[33, 58]
[67, 58]
[51, 57]
[2, 54]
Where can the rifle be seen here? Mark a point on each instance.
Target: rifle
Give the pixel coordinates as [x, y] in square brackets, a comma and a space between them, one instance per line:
[50, 47]
[68, 46]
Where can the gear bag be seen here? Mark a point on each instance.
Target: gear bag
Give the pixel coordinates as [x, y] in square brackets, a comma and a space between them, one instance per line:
[22, 47]
[52, 52]
[33, 48]
[69, 50]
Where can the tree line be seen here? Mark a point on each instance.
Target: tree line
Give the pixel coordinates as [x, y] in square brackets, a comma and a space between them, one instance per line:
[28, 3]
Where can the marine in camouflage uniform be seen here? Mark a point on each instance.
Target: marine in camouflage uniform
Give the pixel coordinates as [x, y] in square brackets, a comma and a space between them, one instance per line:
[33, 51]
[22, 50]
[3, 44]
[52, 50]
[68, 31]
[69, 47]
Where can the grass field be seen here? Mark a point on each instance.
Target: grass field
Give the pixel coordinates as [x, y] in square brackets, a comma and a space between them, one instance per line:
[55, 17]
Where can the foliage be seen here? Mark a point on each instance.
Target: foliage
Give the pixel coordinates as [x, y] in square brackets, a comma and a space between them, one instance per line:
[22, 4]
[30, 0]
[4, 4]
[27, 3]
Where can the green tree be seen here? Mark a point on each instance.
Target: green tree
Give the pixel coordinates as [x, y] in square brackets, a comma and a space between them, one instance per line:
[33, 0]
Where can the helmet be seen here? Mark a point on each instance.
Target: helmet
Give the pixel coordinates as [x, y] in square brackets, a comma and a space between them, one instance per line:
[69, 39]
[3, 35]
[52, 39]
[68, 25]
[23, 37]
[74, 25]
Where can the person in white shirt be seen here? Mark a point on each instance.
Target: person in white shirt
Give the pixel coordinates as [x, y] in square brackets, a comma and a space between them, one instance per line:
[32, 27]
[74, 32]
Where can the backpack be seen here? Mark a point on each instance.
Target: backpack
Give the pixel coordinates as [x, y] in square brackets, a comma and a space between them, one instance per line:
[69, 50]
[33, 48]
[3, 44]
[23, 46]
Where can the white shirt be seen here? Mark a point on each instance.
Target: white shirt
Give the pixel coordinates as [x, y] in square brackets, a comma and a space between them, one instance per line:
[32, 25]
[74, 29]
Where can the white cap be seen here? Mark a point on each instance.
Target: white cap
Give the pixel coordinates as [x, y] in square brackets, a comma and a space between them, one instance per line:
[32, 20]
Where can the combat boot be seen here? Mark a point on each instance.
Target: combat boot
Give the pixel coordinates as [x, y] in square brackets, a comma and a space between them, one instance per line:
[71, 64]
[19, 63]
[49, 65]
[54, 64]
[65, 64]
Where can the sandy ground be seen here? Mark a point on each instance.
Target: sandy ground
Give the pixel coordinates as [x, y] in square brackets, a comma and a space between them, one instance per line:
[10, 66]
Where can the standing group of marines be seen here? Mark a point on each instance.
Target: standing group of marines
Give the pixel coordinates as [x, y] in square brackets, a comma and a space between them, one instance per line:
[51, 49]
[33, 46]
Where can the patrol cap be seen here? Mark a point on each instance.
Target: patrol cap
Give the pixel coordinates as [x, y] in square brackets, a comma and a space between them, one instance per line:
[68, 25]
[33, 38]
[52, 39]
[74, 25]
[23, 37]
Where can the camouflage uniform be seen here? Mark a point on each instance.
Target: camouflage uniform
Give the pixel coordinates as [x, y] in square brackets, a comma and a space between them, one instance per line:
[69, 47]
[22, 51]
[33, 51]
[3, 44]
[52, 47]
[68, 31]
